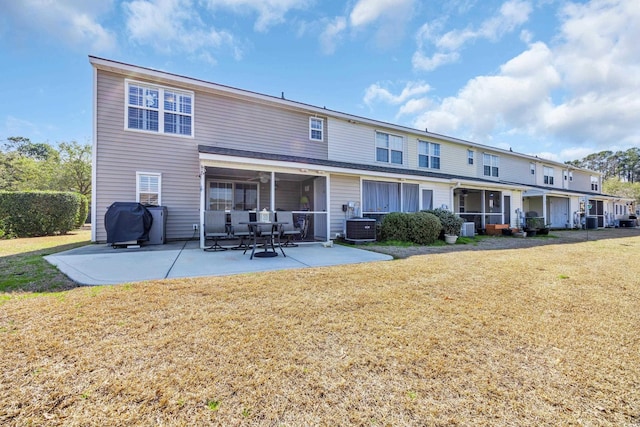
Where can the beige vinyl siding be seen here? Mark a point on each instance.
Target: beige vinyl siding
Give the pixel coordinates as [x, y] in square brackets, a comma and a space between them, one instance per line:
[221, 121]
[582, 181]
[234, 123]
[453, 159]
[344, 189]
[516, 169]
[350, 143]
[120, 154]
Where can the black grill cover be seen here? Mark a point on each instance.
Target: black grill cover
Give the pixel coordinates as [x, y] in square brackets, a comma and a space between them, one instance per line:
[126, 221]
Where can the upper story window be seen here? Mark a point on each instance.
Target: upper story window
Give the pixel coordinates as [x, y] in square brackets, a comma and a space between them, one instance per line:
[594, 183]
[158, 109]
[148, 187]
[428, 155]
[491, 165]
[565, 175]
[570, 176]
[532, 168]
[316, 129]
[389, 148]
[548, 175]
[470, 157]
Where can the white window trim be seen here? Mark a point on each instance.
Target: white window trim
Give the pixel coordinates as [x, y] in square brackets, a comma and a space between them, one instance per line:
[470, 157]
[430, 156]
[389, 149]
[159, 175]
[491, 164]
[311, 138]
[549, 175]
[161, 110]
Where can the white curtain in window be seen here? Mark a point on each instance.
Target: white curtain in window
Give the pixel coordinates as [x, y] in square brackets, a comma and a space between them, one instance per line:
[381, 196]
[410, 197]
[427, 199]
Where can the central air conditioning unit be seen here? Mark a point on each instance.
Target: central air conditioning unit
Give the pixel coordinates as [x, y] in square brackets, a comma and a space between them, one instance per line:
[468, 229]
[360, 230]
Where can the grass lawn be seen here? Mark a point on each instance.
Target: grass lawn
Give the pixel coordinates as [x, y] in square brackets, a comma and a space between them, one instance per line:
[23, 268]
[539, 336]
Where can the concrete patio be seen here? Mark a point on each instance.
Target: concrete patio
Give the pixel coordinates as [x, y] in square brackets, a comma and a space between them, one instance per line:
[101, 264]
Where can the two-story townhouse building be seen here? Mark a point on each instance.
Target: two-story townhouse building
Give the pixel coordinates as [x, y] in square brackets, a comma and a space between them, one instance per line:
[193, 145]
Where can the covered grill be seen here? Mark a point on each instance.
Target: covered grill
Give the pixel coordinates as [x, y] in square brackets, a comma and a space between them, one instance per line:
[127, 222]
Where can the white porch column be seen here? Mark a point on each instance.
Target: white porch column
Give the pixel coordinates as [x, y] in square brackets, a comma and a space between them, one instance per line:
[203, 172]
[544, 207]
[272, 192]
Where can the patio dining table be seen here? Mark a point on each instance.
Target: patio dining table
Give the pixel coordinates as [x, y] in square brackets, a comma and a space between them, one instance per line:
[255, 233]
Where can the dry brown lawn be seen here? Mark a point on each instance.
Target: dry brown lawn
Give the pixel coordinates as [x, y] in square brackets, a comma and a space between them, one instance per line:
[539, 336]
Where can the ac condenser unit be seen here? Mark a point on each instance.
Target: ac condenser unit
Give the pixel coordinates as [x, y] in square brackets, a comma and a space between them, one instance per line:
[359, 230]
[468, 229]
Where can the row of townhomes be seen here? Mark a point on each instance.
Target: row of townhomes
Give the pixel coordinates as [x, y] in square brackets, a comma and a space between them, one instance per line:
[192, 146]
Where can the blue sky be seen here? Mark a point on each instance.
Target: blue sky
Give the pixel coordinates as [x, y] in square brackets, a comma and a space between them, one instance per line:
[558, 79]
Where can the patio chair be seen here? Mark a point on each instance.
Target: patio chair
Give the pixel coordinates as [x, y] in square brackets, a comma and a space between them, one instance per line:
[215, 227]
[288, 230]
[240, 231]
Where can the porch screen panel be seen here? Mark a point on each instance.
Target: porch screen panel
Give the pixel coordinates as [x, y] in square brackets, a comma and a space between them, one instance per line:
[381, 196]
[410, 197]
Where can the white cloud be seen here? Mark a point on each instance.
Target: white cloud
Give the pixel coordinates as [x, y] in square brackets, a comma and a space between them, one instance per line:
[422, 62]
[332, 34]
[173, 26]
[74, 23]
[376, 92]
[511, 15]
[270, 12]
[584, 90]
[368, 11]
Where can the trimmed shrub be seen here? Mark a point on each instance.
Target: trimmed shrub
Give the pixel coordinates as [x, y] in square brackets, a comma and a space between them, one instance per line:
[424, 228]
[395, 226]
[451, 223]
[83, 211]
[39, 213]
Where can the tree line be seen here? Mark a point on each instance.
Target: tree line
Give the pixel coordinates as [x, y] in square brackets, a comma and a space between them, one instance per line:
[621, 165]
[27, 165]
[620, 171]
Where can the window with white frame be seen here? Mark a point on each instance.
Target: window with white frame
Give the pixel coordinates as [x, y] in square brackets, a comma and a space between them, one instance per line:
[565, 175]
[389, 148]
[491, 165]
[594, 183]
[316, 129]
[384, 197]
[148, 186]
[158, 109]
[570, 176]
[470, 157]
[428, 155]
[227, 195]
[548, 175]
[532, 168]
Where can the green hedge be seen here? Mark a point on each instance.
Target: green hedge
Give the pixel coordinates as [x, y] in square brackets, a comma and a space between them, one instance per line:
[421, 228]
[395, 226]
[39, 213]
[83, 211]
[424, 228]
